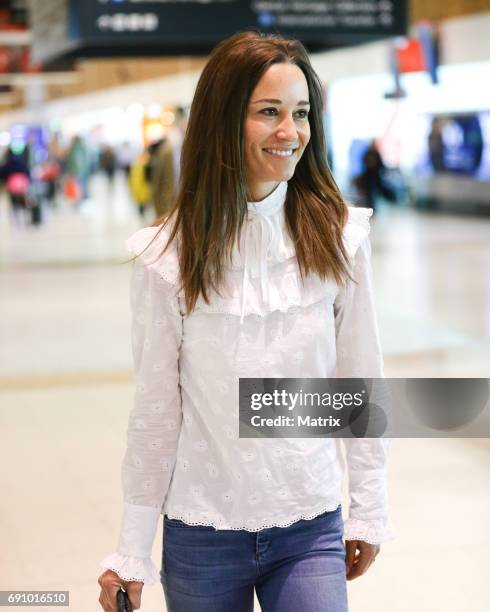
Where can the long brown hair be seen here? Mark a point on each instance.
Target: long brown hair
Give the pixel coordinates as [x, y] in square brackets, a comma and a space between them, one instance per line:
[211, 205]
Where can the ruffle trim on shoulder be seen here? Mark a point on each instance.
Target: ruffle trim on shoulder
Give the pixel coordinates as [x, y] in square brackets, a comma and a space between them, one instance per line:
[286, 290]
[148, 244]
[356, 229]
[373, 532]
[132, 569]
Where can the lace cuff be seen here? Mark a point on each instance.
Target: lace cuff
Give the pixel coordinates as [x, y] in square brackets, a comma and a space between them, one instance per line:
[132, 569]
[373, 532]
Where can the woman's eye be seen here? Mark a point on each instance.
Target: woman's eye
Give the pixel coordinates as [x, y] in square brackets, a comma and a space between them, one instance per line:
[302, 114]
[270, 112]
[273, 112]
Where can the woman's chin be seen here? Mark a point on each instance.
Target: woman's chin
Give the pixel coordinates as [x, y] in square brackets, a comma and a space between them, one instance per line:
[279, 177]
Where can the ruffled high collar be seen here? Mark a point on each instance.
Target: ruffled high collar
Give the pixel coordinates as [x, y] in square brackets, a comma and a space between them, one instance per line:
[271, 204]
[262, 240]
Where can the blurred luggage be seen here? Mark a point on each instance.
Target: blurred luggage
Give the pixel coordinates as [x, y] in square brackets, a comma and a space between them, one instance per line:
[18, 184]
[72, 189]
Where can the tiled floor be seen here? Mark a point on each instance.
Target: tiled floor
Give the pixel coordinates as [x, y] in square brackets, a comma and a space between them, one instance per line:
[65, 392]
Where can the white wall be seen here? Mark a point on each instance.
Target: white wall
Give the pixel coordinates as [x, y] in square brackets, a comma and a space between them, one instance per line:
[466, 39]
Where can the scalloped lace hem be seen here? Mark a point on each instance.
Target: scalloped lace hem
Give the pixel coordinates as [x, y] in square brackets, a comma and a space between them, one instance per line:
[223, 525]
[372, 532]
[131, 569]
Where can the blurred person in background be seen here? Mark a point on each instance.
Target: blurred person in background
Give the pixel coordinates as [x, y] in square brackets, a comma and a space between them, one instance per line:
[372, 183]
[161, 175]
[138, 183]
[78, 169]
[107, 162]
[15, 173]
[57, 162]
[259, 241]
[436, 145]
[49, 172]
[125, 157]
[176, 137]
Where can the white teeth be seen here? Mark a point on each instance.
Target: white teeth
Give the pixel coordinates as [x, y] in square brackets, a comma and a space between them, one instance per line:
[287, 153]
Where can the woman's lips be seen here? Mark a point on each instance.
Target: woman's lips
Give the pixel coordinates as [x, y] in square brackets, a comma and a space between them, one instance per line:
[280, 153]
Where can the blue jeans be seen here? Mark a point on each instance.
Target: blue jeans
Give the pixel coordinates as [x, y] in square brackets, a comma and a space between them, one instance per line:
[295, 568]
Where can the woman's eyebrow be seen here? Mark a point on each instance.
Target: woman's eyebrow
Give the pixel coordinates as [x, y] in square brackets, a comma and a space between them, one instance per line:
[274, 101]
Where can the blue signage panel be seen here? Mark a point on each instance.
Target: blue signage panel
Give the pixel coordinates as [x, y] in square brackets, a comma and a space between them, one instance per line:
[135, 27]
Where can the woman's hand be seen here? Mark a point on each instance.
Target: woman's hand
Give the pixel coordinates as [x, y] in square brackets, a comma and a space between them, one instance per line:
[356, 566]
[110, 583]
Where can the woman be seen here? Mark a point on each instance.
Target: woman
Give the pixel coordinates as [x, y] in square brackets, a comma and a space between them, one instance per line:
[218, 294]
[138, 184]
[16, 174]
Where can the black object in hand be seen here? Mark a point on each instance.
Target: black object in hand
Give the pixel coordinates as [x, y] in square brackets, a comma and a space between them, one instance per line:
[123, 603]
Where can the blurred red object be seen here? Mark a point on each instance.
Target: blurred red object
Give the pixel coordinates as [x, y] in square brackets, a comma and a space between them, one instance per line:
[72, 189]
[18, 183]
[49, 172]
[410, 56]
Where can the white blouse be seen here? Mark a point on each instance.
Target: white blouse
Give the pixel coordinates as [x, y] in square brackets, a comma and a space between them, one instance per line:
[184, 457]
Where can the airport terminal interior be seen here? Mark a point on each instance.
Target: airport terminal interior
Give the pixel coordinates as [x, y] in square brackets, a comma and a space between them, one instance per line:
[80, 168]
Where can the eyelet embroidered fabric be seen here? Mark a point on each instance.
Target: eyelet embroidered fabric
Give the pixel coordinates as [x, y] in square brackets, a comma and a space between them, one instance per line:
[184, 455]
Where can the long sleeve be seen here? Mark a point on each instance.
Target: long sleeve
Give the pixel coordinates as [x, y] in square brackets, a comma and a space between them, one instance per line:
[154, 422]
[359, 355]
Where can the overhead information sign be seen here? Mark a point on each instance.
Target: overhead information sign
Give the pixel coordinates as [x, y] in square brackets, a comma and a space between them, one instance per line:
[135, 27]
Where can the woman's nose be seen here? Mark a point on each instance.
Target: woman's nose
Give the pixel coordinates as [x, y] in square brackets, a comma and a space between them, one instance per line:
[287, 130]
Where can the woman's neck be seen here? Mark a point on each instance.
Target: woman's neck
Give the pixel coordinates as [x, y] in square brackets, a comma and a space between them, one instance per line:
[260, 191]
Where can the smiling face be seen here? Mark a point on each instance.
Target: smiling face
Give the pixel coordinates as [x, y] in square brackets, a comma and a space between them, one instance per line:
[276, 129]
